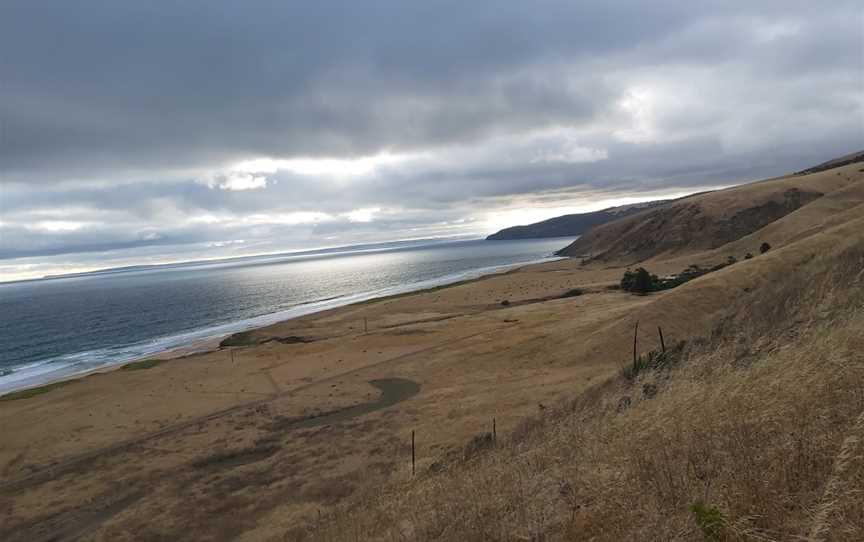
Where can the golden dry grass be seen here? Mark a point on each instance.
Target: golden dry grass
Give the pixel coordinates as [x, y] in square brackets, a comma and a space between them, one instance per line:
[728, 218]
[760, 425]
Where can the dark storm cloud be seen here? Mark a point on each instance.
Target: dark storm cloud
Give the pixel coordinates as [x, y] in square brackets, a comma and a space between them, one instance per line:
[121, 121]
[92, 85]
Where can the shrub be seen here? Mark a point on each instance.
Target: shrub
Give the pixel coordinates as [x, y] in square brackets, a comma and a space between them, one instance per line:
[575, 292]
[639, 365]
[478, 444]
[639, 281]
[709, 519]
[764, 247]
[654, 360]
[628, 280]
[748, 256]
[644, 281]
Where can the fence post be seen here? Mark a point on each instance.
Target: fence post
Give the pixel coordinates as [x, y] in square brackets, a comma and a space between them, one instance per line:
[494, 432]
[635, 335]
[662, 344]
[365, 325]
[412, 454]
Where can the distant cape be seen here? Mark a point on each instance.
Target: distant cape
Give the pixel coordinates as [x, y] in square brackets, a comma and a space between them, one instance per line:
[571, 225]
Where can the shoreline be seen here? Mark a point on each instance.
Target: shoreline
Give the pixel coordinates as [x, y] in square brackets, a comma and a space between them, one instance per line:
[211, 343]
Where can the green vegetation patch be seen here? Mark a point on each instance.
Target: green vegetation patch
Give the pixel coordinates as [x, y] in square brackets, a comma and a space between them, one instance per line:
[575, 292]
[641, 281]
[248, 338]
[654, 361]
[32, 392]
[140, 365]
[292, 339]
[709, 519]
[244, 338]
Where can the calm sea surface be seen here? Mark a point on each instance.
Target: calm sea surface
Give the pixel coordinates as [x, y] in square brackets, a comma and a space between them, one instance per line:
[50, 329]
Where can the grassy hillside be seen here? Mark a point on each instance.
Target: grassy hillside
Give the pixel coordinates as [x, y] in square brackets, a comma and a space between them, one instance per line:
[753, 430]
[712, 220]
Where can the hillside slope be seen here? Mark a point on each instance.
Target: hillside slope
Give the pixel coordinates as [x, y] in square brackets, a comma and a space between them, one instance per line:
[709, 221]
[752, 429]
[851, 158]
[571, 225]
[755, 432]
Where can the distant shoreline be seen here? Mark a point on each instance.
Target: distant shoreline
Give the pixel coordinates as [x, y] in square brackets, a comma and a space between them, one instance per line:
[363, 247]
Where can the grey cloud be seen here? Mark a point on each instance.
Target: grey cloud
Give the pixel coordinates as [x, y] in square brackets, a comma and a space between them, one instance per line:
[108, 85]
[112, 112]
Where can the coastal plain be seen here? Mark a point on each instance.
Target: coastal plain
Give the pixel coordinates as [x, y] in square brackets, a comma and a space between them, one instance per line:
[124, 451]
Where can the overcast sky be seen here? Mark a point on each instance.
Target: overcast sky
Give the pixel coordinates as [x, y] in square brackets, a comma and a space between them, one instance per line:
[141, 132]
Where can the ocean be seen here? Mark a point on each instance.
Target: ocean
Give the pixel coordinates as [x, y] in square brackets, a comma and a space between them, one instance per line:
[54, 328]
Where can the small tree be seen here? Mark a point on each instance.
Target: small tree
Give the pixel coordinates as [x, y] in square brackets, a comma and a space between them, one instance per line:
[764, 247]
[639, 281]
[748, 256]
[643, 282]
[628, 280]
